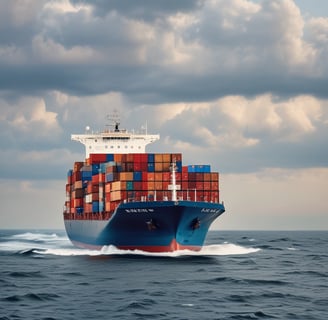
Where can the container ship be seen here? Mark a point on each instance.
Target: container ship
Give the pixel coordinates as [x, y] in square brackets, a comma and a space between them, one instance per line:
[122, 196]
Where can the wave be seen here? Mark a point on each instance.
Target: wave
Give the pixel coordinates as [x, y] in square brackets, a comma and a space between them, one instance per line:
[209, 250]
[29, 236]
[29, 243]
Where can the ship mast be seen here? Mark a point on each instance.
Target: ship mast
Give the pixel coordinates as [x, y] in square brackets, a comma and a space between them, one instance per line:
[174, 186]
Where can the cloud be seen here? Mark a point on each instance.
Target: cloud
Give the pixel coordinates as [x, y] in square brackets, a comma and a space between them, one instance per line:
[165, 51]
[238, 84]
[28, 119]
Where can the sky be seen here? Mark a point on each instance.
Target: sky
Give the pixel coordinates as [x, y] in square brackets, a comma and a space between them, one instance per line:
[241, 85]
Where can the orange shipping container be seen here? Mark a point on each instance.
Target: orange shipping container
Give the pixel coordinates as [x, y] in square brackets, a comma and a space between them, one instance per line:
[78, 202]
[151, 185]
[214, 176]
[107, 187]
[158, 166]
[88, 207]
[118, 157]
[166, 166]
[92, 187]
[126, 176]
[158, 185]
[166, 157]
[158, 176]
[78, 184]
[116, 185]
[117, 195]
[158, 157]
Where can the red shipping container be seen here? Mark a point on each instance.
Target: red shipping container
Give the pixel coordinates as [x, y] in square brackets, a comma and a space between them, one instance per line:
[96, 158]
[192, 176]
[136, 157]
[137, 166]
[95, 196]
[199, 196]
[92, 187]
[184, 185]
[76, 176]
[184, 169]
[148, 176]
[207, 186]
[215, 196]
[144, 185]
[199, 185]
[129, 166]
[214, 185]
[166, 185]
[144, 157]
[192, 185]
[78, 166]
[130, 157]
[138, 185]
[199, 176]
[176, 157]
[185, 176]
[107, 197]
[143, 166]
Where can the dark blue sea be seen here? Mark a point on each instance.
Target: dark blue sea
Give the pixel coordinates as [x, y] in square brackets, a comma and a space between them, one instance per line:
[237, 275]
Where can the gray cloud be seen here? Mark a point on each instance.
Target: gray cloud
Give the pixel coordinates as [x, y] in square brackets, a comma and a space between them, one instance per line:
[155, 53]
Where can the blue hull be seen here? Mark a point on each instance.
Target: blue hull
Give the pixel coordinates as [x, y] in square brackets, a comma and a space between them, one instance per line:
[148, 226]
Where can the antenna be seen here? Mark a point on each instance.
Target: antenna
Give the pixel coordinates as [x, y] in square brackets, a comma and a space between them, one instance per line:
[115, 120]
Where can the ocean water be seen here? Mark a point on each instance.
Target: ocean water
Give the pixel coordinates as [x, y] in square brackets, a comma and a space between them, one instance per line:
[237, 275]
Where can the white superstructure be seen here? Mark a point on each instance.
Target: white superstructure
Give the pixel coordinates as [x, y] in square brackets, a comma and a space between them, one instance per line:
[114, 141]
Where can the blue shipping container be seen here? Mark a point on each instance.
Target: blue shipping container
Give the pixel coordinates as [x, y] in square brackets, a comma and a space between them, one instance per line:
[151, 157]
[95, 169]
[199, 168]
[110, 157]
[137, 176]
[151, 167]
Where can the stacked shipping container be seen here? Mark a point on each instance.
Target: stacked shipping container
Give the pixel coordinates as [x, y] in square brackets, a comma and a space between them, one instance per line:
[95, 188]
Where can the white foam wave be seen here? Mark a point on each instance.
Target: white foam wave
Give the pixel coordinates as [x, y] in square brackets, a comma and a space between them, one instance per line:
[29, 236]
[53, 244]
[210, 250]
